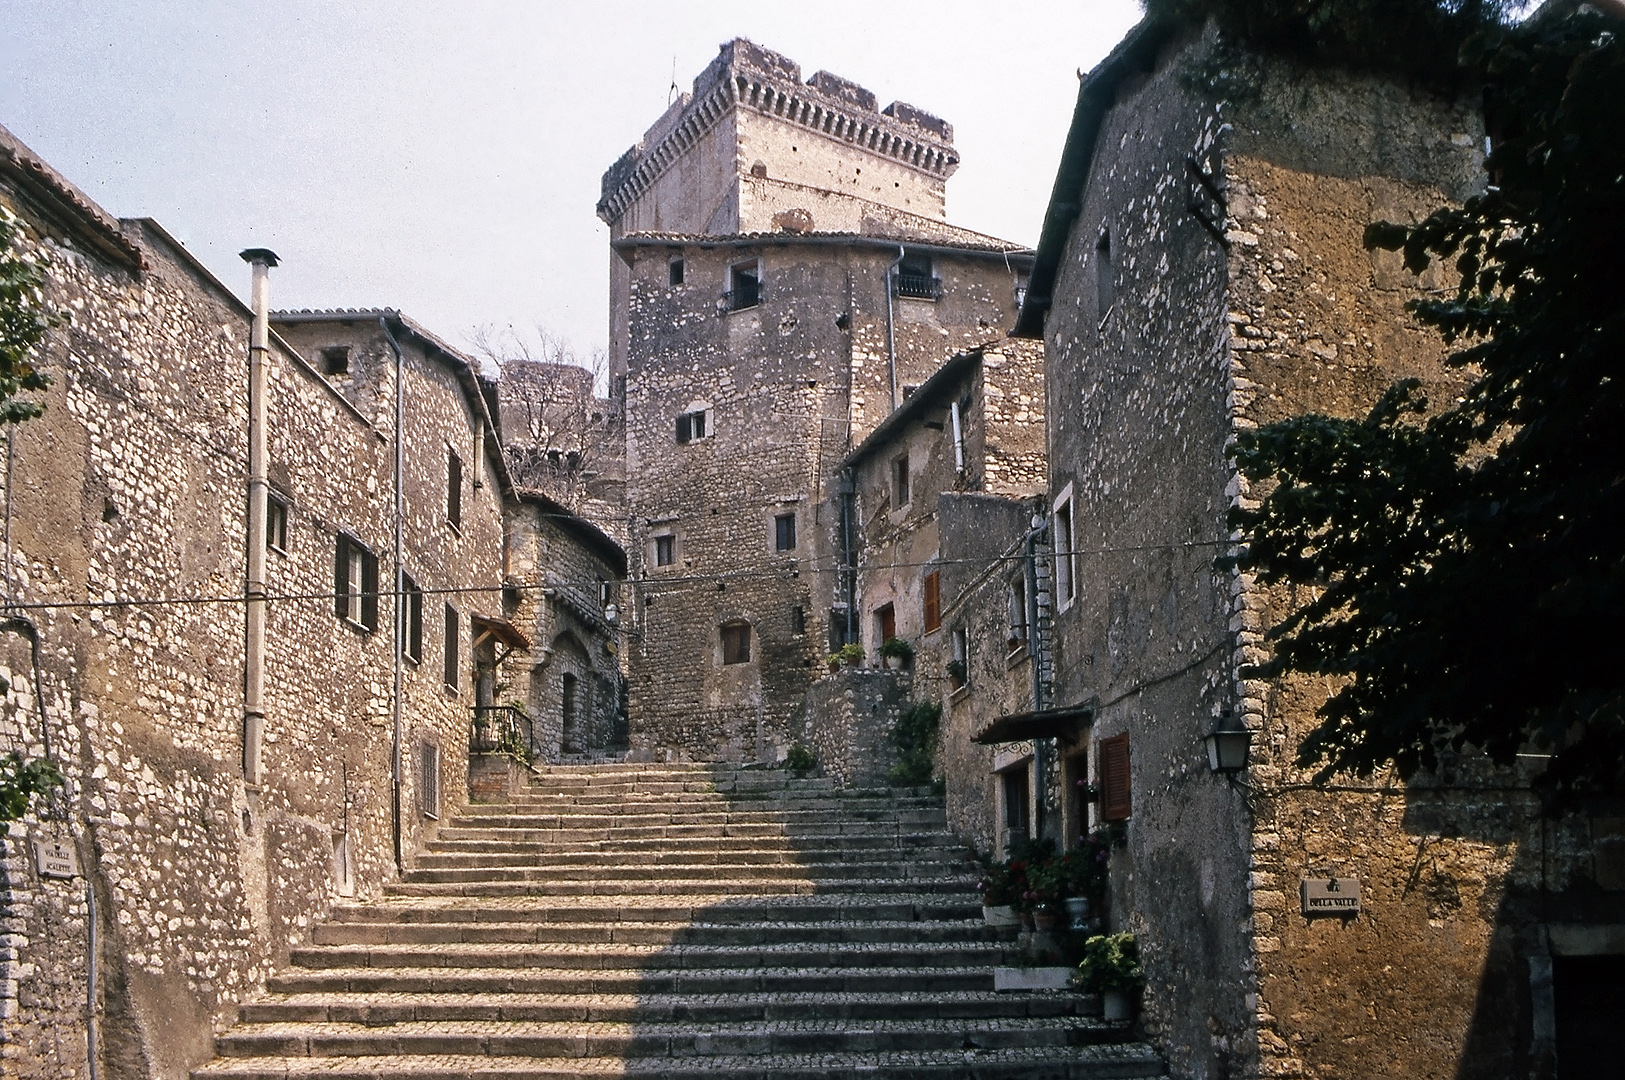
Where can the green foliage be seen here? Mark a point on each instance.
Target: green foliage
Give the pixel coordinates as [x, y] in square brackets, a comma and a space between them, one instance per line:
[23, 322]
[850, 654]
[1461, 571]
[894, 646]
[21, 780]
[957, 673]
[914, 737]
[800, 760]
[998, 885]
[1412, 39]
[1111, 962]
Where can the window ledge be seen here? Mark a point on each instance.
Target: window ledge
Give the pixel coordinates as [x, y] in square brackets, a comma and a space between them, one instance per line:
[959, 693]
[1016, 655]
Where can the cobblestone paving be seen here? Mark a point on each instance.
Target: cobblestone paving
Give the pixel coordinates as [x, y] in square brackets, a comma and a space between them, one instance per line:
[616, 920]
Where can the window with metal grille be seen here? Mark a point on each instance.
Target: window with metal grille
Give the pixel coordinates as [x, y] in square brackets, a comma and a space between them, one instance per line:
[454, 489]
[914, 278]
[451, 649]
[736, 643]
[429, 779]
[1113, 769]
[932, 590]
[355, 583]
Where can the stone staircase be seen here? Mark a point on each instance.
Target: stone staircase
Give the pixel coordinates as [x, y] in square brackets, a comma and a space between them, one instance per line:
[674, 922]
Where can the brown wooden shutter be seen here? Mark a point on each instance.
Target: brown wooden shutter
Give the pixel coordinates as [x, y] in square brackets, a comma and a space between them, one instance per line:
[341, 577]
[454, 488]
[933, 601]
[1115, 803]
[369, 590]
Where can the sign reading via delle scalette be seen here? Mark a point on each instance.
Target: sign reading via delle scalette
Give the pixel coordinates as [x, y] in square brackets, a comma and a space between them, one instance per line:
[55, 860]
[1331, 896]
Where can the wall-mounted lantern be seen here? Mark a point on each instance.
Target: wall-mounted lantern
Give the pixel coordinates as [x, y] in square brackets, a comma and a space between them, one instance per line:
[1228, 744]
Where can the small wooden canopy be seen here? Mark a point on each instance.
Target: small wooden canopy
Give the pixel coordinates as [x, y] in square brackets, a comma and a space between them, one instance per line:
[1063, 723]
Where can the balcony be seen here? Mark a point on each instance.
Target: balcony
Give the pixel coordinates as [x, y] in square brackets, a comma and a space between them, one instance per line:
[917, 286]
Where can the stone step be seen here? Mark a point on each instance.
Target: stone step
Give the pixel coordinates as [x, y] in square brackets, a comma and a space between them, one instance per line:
[613, 956]
[741, 886]
[640, 795]
[713, 872]
[375, 1009]
[812, 859]
[645, 1038]
[553, 832]
[724, 910]
[703, 982]
[657, 933]
[452, 840]
[1100, 1062]
[487, 814]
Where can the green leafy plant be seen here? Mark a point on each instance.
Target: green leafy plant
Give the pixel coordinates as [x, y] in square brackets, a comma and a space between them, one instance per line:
[850, 654]
[957, 674]
[1111, 962]
[895, 646]
[998, 885]
[800, 760]
[23, 322]
[21, 780]
[914, 736]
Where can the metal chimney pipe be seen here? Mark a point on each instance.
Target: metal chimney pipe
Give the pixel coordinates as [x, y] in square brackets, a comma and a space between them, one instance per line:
[259, 344]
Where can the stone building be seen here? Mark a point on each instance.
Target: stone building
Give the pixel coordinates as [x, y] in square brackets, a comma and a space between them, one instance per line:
[1202, 272]
[782, 277]
[564, 440]
[187, 873]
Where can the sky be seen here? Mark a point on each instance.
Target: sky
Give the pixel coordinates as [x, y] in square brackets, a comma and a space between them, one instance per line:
[444, 159]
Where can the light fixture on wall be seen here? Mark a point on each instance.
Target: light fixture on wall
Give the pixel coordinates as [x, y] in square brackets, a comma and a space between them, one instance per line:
[1228, 744]
[612, 614]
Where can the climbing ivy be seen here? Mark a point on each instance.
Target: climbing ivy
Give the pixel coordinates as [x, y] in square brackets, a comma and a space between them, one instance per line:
[914, 738]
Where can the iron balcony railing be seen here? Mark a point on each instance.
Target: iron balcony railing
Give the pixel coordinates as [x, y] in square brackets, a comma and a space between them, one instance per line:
[503, 729]
[918, 286]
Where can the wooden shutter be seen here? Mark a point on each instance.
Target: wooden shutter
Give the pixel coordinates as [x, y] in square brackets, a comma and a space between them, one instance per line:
[341, 577]
[369, 590]
[451, 647]
[933, 601]
[414, 623]
[685, 427]
[454, 488]
[1115, 803]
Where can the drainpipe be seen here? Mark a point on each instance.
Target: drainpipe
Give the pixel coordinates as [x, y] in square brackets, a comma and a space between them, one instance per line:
[891, 331]
[849, 560]
[261, 259]
[959, 446]
[479, 453]
[1036, 662]
[400, 608]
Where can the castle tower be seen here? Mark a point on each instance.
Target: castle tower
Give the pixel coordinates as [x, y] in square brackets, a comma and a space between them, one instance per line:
[782, 276]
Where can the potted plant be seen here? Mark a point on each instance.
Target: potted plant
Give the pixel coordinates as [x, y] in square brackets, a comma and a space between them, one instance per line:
[1085, 878]
[896, 653]
[850, 654]
[999, 893]
[957, 675]
[1111, 968]
[1046, 888]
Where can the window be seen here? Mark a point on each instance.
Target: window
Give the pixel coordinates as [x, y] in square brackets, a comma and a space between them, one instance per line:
[412, 612]
[736, 643]
[694, 424]
[355, 583]
[1018, 613]
[676, 271]
[899, 481]
[1105, 282]
[335, 360]
[604, 594]
[932, 590]
[959, 666]
[665, 550]
[913, 278]
[1113, 771]
[454, 488]
[885, 623]
[798, 621]
[744, 285]
[276, 524]
[451, 649]
[429, 779]
[784, 532]
[1065, 577]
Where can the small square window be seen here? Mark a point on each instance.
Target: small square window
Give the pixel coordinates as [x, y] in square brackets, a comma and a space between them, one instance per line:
[276, 524]
[665, 550]
[693, 425]
[736, 643]
[336, 360]
[784, 532]
[744, 285]
[676, 271]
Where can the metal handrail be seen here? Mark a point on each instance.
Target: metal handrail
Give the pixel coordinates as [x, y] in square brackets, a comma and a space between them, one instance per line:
[503, 729]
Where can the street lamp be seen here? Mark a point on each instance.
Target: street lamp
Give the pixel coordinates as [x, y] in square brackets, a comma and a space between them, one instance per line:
[1228, 744]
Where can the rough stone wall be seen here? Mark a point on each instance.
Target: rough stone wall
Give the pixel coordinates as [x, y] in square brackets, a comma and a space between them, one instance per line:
[564, 440]
[790, 384]
[131, 488]
[846, 720]
[1197, 343]
[564, 586]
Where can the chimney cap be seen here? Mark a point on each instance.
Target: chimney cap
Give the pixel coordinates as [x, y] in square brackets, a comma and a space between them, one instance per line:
[259, 255]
